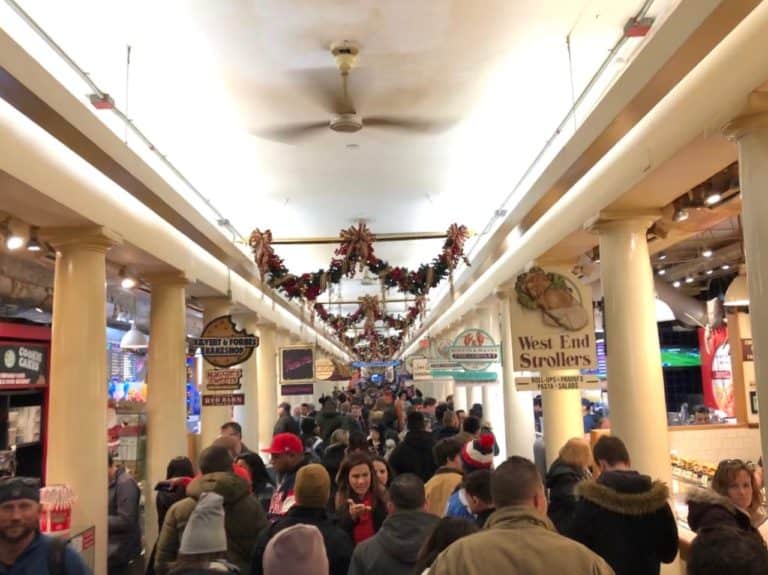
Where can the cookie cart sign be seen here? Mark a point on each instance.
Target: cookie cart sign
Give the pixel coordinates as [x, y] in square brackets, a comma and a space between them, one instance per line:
[552, 330]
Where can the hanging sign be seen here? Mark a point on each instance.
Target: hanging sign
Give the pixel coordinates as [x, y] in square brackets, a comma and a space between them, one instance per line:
[223, 400]
[223, 379]
[23, 364]
[474, 350]
[421, 369]
[297, 364]
[545, 382]
[324, 368]
[223, 345]
[553, 324]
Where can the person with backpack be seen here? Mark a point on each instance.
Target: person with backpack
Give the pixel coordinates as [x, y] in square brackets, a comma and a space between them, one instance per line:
[23, 549]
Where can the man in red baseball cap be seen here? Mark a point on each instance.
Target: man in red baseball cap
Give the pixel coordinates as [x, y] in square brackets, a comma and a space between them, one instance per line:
[287, 457]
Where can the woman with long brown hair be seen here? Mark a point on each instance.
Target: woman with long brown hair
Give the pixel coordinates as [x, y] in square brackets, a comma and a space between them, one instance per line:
[360, 500]
[735, 499]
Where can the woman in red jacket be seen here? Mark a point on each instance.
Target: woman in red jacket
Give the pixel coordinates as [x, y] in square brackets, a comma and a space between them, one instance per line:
[360, 500]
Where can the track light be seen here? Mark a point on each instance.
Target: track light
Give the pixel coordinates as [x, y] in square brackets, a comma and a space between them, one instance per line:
[725, 267]
[676, 284]
[707, 253]
[712, 197]
[127, 281]
[662, 272]
[689, 280]
[709, 272]
[662, 256]
[33, 245]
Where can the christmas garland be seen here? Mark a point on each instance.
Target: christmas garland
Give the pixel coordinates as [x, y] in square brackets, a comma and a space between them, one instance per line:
[356, 251]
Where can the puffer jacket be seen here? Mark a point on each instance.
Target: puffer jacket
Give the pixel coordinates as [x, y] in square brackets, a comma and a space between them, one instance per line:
[518, 540]
[626, 519]
[707, 509]
[394, 549]
[244, 518]
[561, 481]
[124, 543]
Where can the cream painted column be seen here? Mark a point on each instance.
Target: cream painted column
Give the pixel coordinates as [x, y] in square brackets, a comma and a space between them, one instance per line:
[634, 370]
[519, 425]
[562, 417]
[267, 383]
[212, 417]
[77, 420]
[166, 386]
[248, 415]
[751, 133]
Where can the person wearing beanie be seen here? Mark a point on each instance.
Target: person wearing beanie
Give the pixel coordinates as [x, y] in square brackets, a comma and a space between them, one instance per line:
[23, 549]
[312, 491]
[414, 454]
[296, 550]
[244, 516]
[313, 443]
[476, 454]
[204, 541]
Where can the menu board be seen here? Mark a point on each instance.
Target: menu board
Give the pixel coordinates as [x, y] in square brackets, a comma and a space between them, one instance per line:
[23, 363]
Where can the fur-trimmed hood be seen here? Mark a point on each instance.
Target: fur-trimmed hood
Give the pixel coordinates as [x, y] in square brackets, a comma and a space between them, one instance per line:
[701, 496]
[627, 494]
[707, 508]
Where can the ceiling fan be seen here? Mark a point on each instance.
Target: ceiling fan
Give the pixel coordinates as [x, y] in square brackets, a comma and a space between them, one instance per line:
[343, 114]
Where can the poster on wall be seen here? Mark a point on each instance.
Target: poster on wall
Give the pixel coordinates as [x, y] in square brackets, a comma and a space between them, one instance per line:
[297, 364]
[553, 327]
[23, 364]
[716, 370]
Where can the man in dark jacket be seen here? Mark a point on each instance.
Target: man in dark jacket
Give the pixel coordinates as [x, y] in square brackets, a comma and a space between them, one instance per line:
[414, 454]
[286, 423]
[313, 489]
[329, 420]
[124, 542]
[394, 549]
[623, 516]
[244, 516]
[287, 457]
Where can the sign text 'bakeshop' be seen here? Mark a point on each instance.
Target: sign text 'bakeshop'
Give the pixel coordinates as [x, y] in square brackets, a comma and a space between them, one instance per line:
[222, 344]
[552, 323]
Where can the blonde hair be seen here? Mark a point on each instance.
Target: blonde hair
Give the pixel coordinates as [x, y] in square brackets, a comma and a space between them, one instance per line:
[577, 453]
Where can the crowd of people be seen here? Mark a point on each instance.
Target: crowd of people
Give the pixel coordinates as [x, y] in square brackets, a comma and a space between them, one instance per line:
[403, 485]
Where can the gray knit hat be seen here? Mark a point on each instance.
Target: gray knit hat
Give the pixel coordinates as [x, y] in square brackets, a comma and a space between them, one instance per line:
[205, 532]
[296, 550]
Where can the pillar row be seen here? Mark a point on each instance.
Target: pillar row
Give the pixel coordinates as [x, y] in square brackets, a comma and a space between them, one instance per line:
[267, 383]
[212, 418]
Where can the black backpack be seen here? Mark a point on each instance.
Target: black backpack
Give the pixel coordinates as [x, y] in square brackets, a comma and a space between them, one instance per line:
[56, 551]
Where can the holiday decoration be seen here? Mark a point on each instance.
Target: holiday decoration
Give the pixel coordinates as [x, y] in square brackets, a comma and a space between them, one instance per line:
[356, 252]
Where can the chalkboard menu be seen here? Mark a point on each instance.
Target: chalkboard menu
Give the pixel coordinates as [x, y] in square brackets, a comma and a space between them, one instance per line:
[23, 364]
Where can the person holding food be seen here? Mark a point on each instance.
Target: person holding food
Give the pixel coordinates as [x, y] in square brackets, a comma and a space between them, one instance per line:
[361, 502]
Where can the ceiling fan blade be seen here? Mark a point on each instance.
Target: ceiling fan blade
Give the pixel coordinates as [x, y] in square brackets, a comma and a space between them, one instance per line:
[409, 124]
[292, 133]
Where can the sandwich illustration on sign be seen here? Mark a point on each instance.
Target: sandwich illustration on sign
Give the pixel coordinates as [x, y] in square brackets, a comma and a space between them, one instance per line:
[551, 293]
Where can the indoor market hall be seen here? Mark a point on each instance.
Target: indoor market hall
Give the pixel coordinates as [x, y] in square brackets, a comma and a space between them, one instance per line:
[435, 287]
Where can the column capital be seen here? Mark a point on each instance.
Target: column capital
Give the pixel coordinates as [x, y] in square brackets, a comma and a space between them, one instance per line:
[629, 220]
[755, 116]
[92, 238]
[172, 278]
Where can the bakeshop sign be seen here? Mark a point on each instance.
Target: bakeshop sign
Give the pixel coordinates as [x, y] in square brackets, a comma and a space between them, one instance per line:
[222, 344]
[23, 364]
[552, 323]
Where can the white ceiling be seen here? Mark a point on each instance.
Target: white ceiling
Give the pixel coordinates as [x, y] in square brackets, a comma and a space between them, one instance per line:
[205, 75]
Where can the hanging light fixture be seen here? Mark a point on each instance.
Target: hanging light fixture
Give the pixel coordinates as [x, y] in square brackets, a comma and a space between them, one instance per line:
[13, 241]
[707, 253]
[33, 245]
[133, 339]
[712, 196]
[662, 272]
[737, 293]
[127, 280]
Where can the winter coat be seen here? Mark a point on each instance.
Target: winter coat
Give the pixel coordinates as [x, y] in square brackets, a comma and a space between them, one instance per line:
[348, 524]
[124, 541]
[440, 488]
[328, 422]
[626, 519]
[338, 544]
[36, 559]
[286, 424]
[332, 458]
[414, 455]
[243, 519]
[394, 549]
[518, 541]
[708, 509]
[458, 507]
[561, 482]
[446, 432]
[284, 496]
[168, 493]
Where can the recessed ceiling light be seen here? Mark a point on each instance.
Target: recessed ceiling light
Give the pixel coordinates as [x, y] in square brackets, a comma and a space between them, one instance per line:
[707, 253]
[662, 256]
[709, 272]
[662, 272]
[725, 267]
[127, 280]
[676, 284]
[689, 280]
